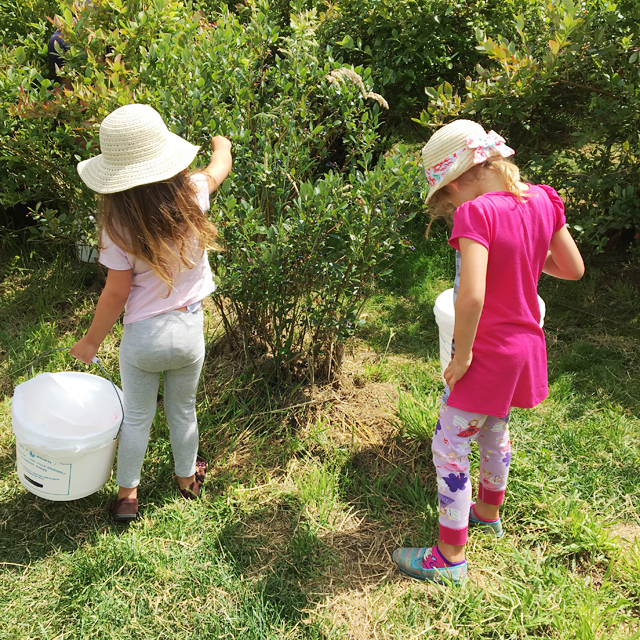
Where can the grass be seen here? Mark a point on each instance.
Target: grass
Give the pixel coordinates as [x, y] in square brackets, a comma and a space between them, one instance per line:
[310, 490]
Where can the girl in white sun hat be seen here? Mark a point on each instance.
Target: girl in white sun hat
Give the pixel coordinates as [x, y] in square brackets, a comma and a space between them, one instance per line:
[154, 236]
[508, 233]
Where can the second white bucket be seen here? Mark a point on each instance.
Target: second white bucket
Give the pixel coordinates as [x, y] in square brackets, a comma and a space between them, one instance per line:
[445, 318]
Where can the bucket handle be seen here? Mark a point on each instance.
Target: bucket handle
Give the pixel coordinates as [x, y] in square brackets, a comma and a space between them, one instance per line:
[96, 360]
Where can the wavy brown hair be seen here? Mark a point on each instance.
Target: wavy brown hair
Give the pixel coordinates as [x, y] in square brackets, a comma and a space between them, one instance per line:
[160, 223]
[441, 208]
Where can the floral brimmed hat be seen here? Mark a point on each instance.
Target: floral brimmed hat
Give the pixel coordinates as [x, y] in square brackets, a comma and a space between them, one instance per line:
[137, 148]
[457, 147]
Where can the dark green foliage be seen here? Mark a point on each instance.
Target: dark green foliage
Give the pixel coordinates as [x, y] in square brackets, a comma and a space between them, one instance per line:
[314, 210]
[25, 23]
[410, 44]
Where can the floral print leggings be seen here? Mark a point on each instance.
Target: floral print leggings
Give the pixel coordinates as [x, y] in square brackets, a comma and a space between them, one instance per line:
[451, 446]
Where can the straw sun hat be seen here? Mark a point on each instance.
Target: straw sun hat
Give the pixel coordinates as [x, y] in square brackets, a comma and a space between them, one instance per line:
[456, 148]
[137, 148]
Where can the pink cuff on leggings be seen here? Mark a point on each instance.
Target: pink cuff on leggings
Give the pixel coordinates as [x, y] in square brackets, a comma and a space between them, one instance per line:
[495, 498]
[453, 536]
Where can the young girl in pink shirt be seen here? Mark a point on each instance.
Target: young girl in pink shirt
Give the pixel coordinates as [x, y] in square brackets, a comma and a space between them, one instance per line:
[507, 233]
[154, 239]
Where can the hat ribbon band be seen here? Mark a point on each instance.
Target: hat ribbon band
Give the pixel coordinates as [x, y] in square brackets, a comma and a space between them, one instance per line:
[436, 174]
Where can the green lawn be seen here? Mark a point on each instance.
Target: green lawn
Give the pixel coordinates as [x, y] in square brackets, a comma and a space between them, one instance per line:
[311, 489]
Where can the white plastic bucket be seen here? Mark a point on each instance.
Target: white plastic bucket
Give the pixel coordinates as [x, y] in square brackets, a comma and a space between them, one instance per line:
[445, 318]
[66, 426]
[85, 252]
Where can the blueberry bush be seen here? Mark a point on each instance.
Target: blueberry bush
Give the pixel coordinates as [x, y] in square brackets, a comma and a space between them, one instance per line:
[314, 210]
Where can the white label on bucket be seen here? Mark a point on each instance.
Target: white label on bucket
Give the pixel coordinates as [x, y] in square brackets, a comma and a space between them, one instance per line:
[46, 476]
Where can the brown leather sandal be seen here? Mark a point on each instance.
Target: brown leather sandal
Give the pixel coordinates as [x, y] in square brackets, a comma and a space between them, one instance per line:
[124, 509]
[192, 492]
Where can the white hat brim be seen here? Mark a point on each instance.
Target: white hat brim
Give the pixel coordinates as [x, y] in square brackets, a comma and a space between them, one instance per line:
[104, 178]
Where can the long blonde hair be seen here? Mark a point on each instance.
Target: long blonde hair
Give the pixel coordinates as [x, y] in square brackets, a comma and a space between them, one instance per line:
[160, 223]
[440, 206]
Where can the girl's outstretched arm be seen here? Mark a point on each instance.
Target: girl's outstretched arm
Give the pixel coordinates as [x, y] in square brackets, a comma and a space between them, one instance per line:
[110, 306]
[469, 303]
[564, 259]
[221, 161]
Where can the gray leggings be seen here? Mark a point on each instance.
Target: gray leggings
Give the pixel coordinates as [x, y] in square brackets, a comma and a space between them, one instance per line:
[172, 344]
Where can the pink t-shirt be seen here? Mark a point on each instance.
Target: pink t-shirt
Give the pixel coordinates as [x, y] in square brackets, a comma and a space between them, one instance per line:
[509, 367]
[148, 295]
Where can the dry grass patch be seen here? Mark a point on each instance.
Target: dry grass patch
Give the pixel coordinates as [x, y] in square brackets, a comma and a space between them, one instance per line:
[362, 416]
[361, 612]
[626, 533]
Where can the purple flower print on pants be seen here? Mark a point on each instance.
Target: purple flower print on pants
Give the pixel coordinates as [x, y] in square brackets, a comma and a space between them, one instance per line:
[451, 445]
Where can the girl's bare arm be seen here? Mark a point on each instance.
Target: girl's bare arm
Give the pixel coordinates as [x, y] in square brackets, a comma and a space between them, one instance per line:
[469, 303]
[110, 306]
[564, 259]
[221, 162]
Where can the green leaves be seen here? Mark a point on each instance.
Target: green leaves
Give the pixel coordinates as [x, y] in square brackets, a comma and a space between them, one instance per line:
[412, 43]
[20, 55]
[295, 272]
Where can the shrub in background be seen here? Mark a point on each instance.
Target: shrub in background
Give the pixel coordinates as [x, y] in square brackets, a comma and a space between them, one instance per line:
[407, 44]
[312, 213]
[29, 155]
[410, 44]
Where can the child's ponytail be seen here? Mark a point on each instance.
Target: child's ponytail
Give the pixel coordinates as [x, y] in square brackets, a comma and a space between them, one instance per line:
[510, 174]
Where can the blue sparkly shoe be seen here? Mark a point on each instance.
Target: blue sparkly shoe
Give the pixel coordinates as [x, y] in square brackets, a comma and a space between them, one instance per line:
[494, 527]
[423, 563]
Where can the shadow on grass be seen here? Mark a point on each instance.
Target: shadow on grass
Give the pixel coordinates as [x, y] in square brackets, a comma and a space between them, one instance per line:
[593, 339]
[415, 332]
[282, 556]
[295, 564]
[270, 554]
[377, 487]
[609, 373]
[32, 528]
